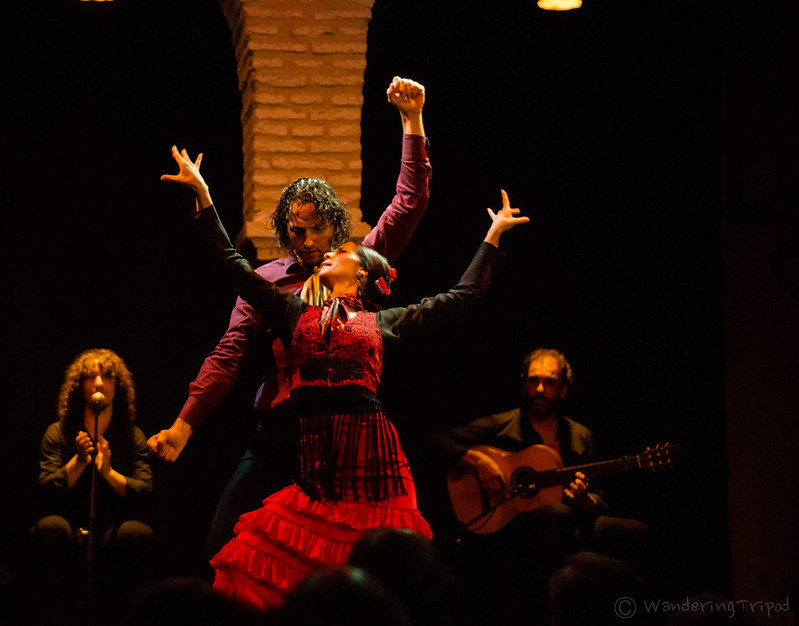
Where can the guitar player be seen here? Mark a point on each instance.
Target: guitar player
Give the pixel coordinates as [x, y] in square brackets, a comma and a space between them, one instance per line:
[536, 541]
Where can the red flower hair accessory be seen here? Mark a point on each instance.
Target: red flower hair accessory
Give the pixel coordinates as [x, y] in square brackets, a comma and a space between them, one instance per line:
[382, 286]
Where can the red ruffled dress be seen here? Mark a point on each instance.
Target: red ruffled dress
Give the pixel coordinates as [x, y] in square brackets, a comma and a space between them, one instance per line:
[354, 475]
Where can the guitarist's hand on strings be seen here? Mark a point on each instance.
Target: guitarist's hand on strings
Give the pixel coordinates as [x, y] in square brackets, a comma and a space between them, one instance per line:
[489, 473]
[577, 492]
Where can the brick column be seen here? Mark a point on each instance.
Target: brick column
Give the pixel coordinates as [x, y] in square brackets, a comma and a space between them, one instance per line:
[300, 67]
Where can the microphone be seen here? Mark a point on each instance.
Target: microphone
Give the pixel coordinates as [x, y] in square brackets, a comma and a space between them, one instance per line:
[98, 401]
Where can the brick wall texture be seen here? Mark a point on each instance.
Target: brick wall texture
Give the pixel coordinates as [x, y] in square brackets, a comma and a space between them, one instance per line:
[300, 69]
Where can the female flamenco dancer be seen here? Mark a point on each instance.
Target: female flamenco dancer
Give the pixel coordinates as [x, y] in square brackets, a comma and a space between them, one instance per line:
[354, 475]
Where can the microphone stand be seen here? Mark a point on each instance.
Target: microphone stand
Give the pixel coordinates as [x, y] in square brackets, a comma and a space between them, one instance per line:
[98, 404]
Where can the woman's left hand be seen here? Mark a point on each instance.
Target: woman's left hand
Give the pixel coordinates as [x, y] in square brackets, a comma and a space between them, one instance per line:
[506, 218]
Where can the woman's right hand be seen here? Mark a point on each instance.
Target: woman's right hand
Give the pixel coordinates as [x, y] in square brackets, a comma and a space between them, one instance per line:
[504, 219]
[189, 176]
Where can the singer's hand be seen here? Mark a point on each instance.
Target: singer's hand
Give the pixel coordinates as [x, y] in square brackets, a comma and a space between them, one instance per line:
[84, 448]
[103, 459]
[168, 444]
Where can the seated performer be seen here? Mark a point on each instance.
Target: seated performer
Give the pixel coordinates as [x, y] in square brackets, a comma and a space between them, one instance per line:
[97, 392]
[353, 472]
[309, 221]
[541, 537]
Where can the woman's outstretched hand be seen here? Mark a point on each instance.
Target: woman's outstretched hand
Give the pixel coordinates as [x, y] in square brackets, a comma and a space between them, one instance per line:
[504, 219]
[189, 176]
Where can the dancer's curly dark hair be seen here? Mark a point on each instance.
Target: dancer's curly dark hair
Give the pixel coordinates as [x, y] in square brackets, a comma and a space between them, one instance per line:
[329, 209]
[71, 402]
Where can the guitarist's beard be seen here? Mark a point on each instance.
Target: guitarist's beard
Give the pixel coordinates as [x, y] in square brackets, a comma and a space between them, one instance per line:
[541, 408]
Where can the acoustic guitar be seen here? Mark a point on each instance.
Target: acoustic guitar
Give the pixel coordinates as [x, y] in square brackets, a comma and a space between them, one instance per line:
[537, 478]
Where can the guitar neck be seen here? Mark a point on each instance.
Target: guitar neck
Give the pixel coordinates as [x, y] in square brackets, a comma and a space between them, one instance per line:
[563, 477]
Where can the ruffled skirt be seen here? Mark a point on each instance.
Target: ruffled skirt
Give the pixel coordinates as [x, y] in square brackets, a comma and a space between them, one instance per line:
[291, 535]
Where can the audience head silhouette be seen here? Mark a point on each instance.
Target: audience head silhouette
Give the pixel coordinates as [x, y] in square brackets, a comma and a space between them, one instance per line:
[410, 566]
[594, 589]
[341, 596]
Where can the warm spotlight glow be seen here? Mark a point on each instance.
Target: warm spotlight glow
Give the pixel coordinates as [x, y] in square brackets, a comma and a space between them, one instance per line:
[559, 5]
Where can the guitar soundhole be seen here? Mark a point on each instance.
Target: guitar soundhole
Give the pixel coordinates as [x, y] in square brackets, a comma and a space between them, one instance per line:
[523, 482]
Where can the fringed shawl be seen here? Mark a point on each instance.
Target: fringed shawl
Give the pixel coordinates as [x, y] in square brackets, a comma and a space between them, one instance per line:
[348, 447]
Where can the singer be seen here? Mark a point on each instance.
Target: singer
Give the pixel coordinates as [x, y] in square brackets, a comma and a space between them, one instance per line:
[97, 396]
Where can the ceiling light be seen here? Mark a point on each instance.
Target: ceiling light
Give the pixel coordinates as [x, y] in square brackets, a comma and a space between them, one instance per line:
[559, 5]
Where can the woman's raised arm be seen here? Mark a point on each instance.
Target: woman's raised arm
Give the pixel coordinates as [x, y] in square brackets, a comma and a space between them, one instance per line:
[280, 308]
[439, 311]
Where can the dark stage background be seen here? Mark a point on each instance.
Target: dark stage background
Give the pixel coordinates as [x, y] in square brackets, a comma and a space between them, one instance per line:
[604, 125]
